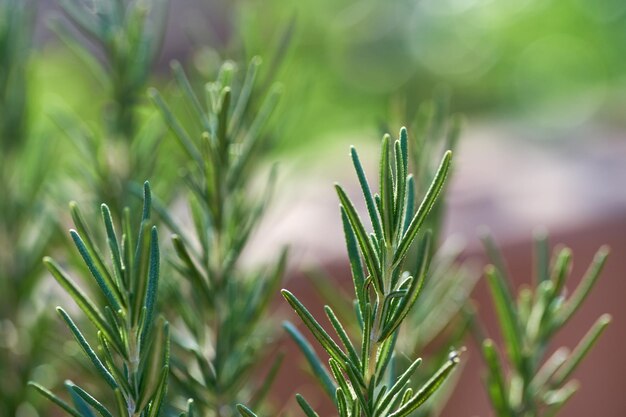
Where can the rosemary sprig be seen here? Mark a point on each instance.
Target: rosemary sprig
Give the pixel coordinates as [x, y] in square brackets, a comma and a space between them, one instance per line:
[536, 386]
[131, 356]
[223, 305]
[361, 384]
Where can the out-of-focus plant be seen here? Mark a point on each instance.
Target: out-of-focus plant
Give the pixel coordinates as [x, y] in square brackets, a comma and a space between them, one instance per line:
[535, 386]
[365, 383]
[131, 357]
[123, 39]
[221, 305]
[26, 227]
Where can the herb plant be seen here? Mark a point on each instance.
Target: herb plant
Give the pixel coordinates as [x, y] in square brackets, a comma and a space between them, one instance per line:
[535, 386]
[123, 39]
[364, 384]
[132, 354]
[221, 305]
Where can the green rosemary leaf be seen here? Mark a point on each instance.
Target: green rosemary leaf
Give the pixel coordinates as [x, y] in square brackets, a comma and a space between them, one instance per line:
[560, 271]
[536, 319]
[49, 395]
[585, 286]
[556, 399]
[116, 256]
[424, 208]
[159, 395]
[428, 389]
[367, 193]
[120, 402]
[127, 247]
[244, 95]
[386, 191]
[309, 353]
[342, 382]
[400, 191]
[101, 409]
[378, 399]
[546, 372]
[174, 125]
[495, 380]
[139, 273]
[253, 137]
[81, 299]
[308, 410]
[147, 202]
[222, 125]
[102, 370]
[158, 356]
[81, 405]
[83, 230]
[581, 350]
[185, 87]
[109, 289]
[318, 332]
[245, 411]
[397, 387]
[408, 394]
[357, 385]
[342, 404]
[404, 149]
[107, 355]
[507, 316]
[354, 357]
[413, 292]
[410, 203]
[153, 282]
[369, 253]
[366, 337]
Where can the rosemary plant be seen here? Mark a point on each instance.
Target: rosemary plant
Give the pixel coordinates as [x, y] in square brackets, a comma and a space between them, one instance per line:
[221, 304]
[537, 386]
[364, 383]
[26, 226]
[128, 35]
[132, 354]
[445, 294]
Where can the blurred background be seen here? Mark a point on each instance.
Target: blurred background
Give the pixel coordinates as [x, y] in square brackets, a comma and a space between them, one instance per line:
[542, 85]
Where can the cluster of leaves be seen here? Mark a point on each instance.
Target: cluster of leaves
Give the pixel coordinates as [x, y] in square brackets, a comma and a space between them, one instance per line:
[536, 386]
[128, 35]
[222, 305]
[365, 384]
[132, 354]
